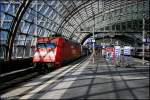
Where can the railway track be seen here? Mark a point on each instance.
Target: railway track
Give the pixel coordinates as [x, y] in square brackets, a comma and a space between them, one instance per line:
[11, 79]
[14, 78]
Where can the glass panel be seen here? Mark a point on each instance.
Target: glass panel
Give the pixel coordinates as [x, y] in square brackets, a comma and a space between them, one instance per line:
[140, 7]
[20, 40]
[41, 32]
[19, 51]
[3, 37]
[28, 41]
[32, 29]
[123, 26]
[11, 9]
[27, 52]
[25, 27]
[16, 7]
[33, 42]
[6, 25]
[146, 5]
[30, 17]
[129, 9]
[38, 30]
[42, 10]
[128, 16]
[2, 51]
[4, 6]
[8, 17]
[134, 16]
[134, 8]
[2, 15]
[26, 15]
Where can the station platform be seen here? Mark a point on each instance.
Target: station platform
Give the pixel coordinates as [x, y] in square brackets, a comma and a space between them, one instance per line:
[85, 79]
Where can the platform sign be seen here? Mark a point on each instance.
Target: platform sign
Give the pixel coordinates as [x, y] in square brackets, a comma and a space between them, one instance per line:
[117, 50]
[127, 50]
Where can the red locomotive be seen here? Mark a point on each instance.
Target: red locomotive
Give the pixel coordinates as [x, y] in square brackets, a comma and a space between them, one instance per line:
[52, 52]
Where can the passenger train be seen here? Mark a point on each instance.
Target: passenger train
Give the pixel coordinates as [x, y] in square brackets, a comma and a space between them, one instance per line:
[53, 52]
[138, 52]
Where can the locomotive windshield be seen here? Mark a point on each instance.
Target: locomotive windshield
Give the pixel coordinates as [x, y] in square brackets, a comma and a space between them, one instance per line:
[46, 45]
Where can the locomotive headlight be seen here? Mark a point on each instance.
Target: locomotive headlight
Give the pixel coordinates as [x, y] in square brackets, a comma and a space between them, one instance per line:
[52, 53]
[50, 56]
[36, 54]
[36, 57]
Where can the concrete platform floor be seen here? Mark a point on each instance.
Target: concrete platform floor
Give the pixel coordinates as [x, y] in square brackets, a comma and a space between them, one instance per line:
[84, 79]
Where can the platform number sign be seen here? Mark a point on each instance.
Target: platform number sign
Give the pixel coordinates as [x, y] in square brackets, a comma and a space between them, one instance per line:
[117, 51]
[127, 50]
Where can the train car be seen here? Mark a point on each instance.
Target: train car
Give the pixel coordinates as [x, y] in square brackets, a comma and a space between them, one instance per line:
[138, 52]
[54, 52]
[85, 51]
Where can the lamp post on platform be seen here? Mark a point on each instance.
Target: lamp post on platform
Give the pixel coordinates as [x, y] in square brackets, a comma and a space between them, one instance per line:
[93, 40]
[143, 39]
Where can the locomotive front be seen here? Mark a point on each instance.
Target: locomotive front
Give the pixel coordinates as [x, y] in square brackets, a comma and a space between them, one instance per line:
[45, 54]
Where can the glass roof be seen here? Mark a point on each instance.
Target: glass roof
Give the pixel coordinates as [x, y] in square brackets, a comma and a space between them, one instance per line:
[72, 19]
